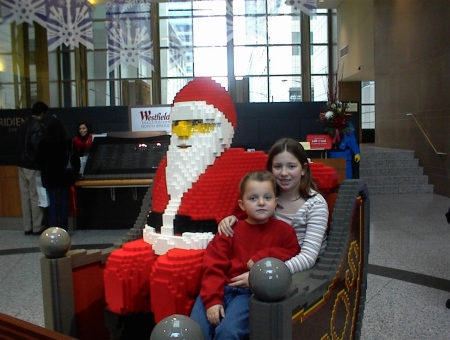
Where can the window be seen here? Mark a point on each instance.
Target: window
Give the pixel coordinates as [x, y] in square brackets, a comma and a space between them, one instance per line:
[368, 105]
[261, 41]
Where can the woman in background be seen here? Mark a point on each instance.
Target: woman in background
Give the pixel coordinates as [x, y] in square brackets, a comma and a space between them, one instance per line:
[83, 139]
[83, 142]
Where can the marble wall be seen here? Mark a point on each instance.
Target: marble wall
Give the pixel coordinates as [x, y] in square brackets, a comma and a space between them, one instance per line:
[412, 75]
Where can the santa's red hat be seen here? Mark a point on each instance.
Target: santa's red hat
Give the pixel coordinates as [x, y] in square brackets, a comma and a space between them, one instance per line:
[207, 90]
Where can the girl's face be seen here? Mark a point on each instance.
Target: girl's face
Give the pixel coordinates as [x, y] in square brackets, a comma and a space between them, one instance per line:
[288, 171]
[82, 129]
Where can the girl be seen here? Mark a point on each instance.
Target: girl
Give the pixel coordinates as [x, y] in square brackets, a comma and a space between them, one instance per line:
[299, 204]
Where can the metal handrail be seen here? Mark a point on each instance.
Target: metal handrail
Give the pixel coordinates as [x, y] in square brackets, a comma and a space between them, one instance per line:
[437, 152]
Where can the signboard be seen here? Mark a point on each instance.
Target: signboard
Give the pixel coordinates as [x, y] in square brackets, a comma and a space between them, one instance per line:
[10, 120]
[319, 141]
[151, 118]
[352, 107]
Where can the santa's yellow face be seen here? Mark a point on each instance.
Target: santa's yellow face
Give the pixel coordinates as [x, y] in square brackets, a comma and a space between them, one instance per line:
[187, 128]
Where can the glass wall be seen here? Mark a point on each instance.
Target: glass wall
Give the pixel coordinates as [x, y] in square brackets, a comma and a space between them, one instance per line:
[136, 53]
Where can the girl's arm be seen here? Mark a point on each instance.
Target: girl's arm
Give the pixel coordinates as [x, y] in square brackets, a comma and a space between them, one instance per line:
[311, 235]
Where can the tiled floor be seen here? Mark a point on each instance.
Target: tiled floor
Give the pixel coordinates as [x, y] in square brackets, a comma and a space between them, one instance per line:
[408, 282]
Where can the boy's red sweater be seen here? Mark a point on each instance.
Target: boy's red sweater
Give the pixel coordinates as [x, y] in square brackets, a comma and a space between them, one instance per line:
[226, 257]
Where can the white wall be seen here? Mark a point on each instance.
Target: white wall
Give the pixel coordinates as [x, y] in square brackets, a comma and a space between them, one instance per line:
[356, 30]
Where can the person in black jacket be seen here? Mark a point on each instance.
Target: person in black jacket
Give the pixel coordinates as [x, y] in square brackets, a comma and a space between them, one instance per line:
[29, 136]
[59, 168]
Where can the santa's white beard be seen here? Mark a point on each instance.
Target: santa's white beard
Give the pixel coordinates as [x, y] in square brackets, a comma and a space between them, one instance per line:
[184, 167]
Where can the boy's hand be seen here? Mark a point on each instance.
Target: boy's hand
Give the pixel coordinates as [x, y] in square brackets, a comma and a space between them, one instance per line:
[215, 314]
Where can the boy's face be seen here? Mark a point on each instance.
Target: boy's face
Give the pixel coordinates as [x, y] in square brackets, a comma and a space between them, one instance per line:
[259, 201]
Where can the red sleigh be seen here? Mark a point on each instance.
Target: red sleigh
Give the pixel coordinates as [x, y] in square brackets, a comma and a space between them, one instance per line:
[136, 287]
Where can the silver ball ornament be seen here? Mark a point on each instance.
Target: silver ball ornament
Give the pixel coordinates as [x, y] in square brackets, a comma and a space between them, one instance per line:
[270, 279]
[54, 242]
[177, 326]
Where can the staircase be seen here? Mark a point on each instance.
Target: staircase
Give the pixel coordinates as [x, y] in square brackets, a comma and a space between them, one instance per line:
[392, 171]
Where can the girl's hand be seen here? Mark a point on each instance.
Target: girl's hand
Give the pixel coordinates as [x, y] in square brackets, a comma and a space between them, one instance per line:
[226, 226]
[250, 264]
[240, 281]
[215, 314]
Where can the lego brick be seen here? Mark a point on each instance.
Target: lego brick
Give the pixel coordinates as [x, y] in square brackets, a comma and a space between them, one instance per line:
[126, 278]
[175, 282]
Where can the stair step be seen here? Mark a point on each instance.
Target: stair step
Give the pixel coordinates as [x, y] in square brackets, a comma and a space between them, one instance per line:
[402, 189]
[390, 155]
[385, 153]
[392, 171]
[395, 180]
[368, 162]
[398, 171]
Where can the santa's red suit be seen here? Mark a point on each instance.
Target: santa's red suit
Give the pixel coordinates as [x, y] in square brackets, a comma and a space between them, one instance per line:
[212, 197]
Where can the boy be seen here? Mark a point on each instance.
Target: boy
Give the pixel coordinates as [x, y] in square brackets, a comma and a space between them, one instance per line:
[222, 308]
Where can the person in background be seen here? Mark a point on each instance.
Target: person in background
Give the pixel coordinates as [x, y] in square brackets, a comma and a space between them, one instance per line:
[29, 136]
[83, 139]
[222, 308]
[299, 204]
[58, 170]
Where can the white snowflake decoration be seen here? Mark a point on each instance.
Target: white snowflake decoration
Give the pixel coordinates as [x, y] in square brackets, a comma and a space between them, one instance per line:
[129, 34]
[129, 46]
[70, 27]
[229, 16]
[23, 11]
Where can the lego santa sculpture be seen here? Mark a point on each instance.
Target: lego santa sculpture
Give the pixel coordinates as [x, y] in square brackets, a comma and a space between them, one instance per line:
[196, 184]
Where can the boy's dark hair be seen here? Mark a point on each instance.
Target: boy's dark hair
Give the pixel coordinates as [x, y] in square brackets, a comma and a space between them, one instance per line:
[295, 148]
[38, 108]
[258, 176]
